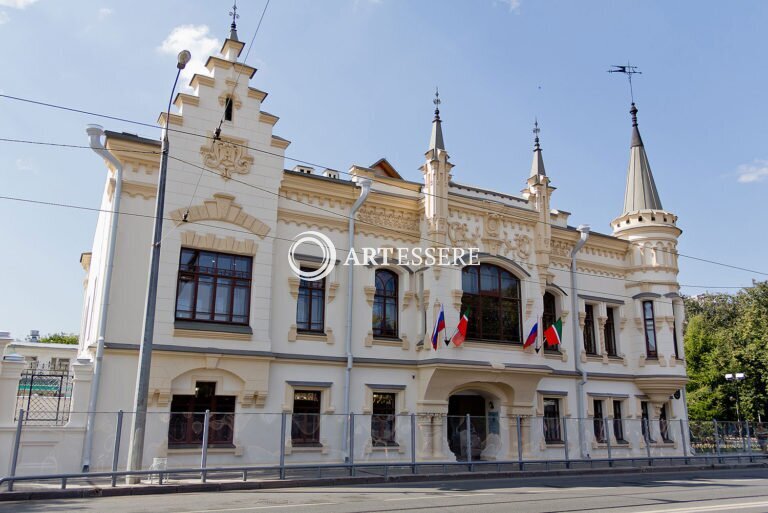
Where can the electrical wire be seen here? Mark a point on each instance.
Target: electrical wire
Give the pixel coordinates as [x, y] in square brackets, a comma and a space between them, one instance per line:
[80, 111]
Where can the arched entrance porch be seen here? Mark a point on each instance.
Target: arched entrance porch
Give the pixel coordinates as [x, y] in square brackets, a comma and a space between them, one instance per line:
[492, 398]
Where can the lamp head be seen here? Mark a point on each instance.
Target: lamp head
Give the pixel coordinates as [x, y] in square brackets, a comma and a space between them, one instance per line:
[729, 377]
[183, 59]
[740, 375]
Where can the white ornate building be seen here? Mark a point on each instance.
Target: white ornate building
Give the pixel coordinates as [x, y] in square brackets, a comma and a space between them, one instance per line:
[237, 331]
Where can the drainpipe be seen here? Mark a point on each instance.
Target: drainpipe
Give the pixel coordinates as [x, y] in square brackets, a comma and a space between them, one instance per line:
[365, 188]
[578, 338]
[94, 134]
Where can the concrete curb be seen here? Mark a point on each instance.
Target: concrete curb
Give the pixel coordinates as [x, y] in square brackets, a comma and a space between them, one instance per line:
[85, 493]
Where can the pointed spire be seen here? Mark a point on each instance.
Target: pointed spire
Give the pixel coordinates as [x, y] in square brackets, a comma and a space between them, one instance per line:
[233, 26]
[537, 167]
[640, 193]
[436, 141]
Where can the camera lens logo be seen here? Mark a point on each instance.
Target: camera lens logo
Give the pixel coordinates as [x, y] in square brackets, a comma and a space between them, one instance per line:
[328, 259]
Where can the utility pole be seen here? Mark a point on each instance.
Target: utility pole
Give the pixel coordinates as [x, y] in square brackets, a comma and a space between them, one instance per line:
[139, 421]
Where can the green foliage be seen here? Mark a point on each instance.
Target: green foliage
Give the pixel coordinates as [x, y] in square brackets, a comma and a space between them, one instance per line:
[727, 334]
[60, 338]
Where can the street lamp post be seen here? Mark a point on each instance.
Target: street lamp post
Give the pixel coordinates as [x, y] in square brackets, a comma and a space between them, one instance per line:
[738, 378]
[138, 425]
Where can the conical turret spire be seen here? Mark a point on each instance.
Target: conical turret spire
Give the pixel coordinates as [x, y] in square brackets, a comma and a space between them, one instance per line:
[436, 141]
[537, 167]
[640, 193]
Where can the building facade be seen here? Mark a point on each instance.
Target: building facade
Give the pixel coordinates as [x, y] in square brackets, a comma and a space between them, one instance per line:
[237, 332]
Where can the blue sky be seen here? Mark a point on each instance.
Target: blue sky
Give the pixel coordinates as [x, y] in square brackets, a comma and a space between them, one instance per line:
[352, 81]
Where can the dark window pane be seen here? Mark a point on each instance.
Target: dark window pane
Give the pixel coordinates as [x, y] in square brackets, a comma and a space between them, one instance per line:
[205, 287]
[590, 345]
[489, 279]
[385, 310]
[383, 419]
[305, 421]
[469, 280]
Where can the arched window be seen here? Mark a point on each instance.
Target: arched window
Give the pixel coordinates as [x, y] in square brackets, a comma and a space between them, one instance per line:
[549, 317]
[493, 296]
[385, 304]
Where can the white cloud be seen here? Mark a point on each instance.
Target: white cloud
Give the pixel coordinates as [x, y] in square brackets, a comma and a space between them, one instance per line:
[4, 17]
[514, 5]
[197, 40]
[17, 4]
[757, 171]
[25, 165]
[105, 12]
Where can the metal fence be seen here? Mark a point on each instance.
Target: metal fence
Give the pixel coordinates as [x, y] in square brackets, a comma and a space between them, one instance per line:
[44, 395]
[224, 445]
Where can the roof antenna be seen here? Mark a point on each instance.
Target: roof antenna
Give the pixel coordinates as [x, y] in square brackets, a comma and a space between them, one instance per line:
[628, 71]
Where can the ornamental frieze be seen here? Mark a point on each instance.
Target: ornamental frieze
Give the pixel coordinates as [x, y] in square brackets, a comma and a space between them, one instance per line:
[389, 218]
[228, 156]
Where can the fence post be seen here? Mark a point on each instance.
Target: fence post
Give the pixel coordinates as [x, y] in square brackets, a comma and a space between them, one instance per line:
[717, 441]
[413, 443]
[16, 442]
[565, 439]
[469, 441]
[749, 440]
[204, 458]
[682, 440]
[351, 444]
[519, 443]
[283, 418]
[116, 451]
[607, 427]
[645, 428]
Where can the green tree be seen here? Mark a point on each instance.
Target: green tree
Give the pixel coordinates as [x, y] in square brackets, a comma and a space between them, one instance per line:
[60, 338]
[727, 334]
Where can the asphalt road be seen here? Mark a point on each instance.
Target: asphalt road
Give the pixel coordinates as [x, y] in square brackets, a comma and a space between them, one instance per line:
[683, 492]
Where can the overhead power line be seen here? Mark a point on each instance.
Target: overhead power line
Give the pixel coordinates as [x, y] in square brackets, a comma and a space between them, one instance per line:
[274, 237]
[204, 136]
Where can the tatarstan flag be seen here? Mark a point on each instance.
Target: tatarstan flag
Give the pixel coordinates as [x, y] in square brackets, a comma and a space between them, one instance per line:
[461, 330]
[554, 333]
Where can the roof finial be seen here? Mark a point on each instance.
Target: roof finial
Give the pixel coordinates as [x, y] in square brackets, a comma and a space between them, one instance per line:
[437, 102]
[633, 111]
[536, 131]
[233, 26]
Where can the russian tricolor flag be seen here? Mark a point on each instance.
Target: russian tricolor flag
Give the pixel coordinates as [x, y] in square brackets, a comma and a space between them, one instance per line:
[439, 326]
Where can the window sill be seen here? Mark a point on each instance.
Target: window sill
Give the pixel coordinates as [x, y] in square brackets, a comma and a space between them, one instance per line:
[196, 329]
[554, 443]
[218, 449]
[493, 344]
[307, 448]
[316, 336]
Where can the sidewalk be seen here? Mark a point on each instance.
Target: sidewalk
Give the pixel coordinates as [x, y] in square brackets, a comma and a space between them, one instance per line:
[102, 488]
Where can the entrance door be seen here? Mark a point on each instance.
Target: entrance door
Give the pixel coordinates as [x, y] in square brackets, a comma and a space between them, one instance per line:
[458, 408]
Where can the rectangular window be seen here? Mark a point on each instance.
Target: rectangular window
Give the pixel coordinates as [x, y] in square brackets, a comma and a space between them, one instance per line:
[188, 417]
[610, 333]
[383, 419]
[305, 422]
[618, 422]
[650, 329]
[598, 421]
[213, 287]
[646, 421]
[664, 424]
[552, 431]
[60, 364]
[589, 331]
[310, 307]
[674, 332]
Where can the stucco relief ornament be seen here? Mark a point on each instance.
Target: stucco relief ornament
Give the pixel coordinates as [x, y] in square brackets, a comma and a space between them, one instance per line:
[227, 157]
[519, 246]
[460, 236]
